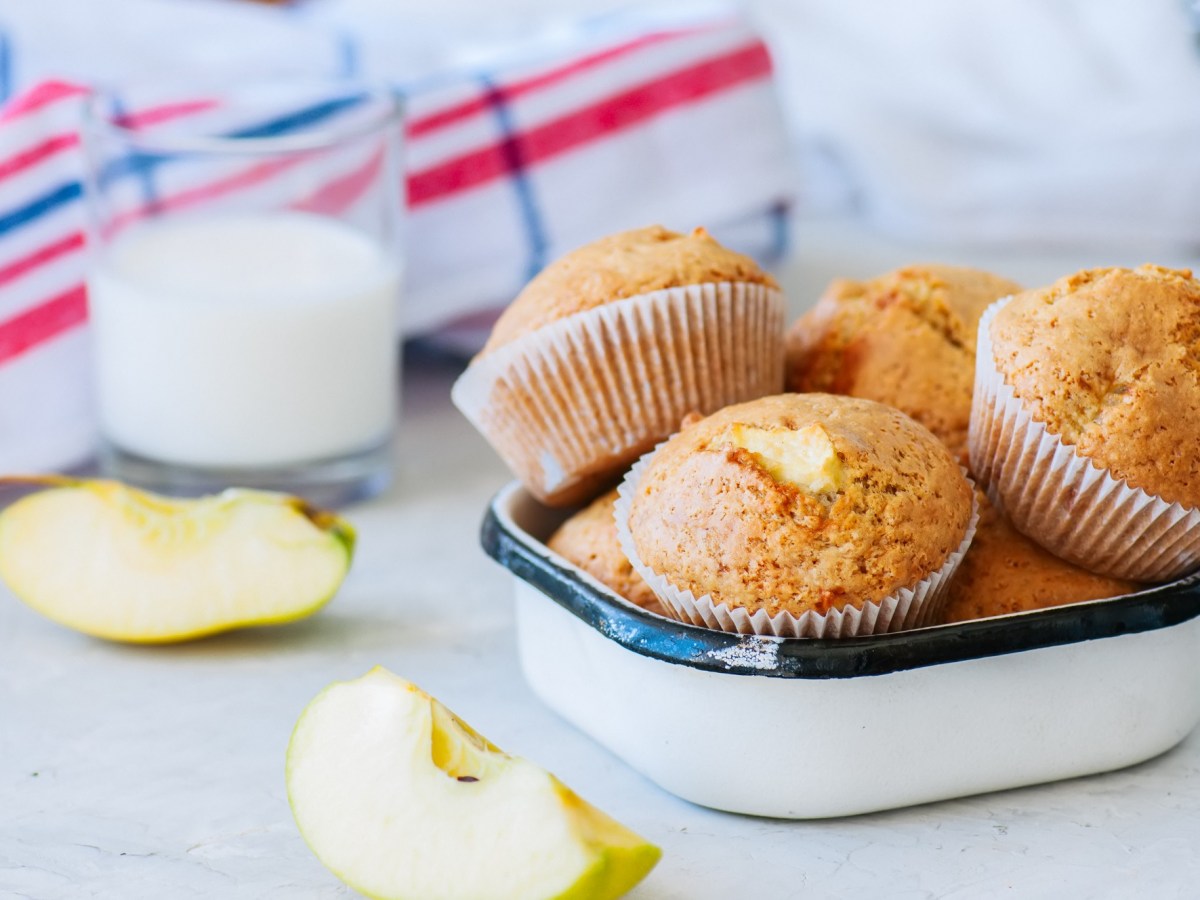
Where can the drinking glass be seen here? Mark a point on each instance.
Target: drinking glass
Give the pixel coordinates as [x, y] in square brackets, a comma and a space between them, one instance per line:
[243, 286]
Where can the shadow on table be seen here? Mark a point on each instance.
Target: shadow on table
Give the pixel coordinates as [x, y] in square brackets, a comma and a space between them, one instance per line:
[317, 633]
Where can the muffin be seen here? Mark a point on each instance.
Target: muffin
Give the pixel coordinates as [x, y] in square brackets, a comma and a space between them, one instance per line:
[605, 351]
[1005, 572]
[589, 540]
[1084, 425]
[799, 515]
[906, 339]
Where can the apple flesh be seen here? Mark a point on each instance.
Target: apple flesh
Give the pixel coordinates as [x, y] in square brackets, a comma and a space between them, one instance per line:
[403, 800]
[123, 564]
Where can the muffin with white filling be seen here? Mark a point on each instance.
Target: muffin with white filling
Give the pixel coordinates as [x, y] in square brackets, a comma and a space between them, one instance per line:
[799, 514]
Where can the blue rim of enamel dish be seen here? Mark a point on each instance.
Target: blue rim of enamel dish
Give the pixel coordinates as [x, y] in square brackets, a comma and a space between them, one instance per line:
[504, 540]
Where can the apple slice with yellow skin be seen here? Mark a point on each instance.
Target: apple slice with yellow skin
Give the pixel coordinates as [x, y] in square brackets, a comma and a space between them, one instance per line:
[402, 800]
[127, 565]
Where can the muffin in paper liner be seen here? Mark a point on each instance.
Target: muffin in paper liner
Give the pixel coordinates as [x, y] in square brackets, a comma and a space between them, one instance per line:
[910, 607]
[1066, 502]
[570, 405]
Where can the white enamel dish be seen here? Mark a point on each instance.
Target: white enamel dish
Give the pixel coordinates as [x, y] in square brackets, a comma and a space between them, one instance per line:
[802, 728]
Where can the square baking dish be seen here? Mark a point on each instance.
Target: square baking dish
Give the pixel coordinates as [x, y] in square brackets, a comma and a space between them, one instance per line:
[801, 728]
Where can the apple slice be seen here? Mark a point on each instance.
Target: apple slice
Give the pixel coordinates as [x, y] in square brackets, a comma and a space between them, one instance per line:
[402, 800]
[123, 564]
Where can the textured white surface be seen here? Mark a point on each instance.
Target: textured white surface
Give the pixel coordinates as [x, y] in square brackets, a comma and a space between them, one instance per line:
[148, 773]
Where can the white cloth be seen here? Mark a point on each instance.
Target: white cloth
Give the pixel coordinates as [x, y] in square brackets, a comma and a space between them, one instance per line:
[1074, 122]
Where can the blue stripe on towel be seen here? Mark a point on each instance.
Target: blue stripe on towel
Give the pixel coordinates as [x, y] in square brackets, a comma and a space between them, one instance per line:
[134, 163]
[296, 120]
[44, 204]
[781, 231]
[531, 217]
[140, 162]
[145, 173]
[6, 66]
[348, 55]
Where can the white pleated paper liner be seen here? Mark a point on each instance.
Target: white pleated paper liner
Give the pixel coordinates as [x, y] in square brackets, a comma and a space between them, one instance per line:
[1064, 501]
[906, 608]
[569, 405]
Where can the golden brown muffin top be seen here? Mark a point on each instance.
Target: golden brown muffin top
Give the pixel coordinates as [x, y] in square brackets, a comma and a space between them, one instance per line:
[589, 540]
[1005, 572]
[1109, 360]
[618, 266]
[906, 339]
[800, 502]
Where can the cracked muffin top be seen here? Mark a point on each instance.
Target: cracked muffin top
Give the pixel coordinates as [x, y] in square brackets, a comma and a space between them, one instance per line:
[906, 339]
[1006, 572]
[589, 540]
[621, 265]
[800, 502]
[1109, 361]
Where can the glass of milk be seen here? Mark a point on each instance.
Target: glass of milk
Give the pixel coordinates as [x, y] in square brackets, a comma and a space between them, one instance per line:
[244, 286]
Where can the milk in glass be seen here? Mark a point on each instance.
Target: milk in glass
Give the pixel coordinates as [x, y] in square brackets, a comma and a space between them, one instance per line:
[249, 340]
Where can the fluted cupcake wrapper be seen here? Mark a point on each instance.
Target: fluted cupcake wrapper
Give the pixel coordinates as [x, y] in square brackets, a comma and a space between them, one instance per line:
[1063, 500]
[571, 404]
[910, 607]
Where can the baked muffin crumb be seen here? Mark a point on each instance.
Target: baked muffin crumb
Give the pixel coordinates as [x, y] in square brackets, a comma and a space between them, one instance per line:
[621, 265]
[1006, 572]
[713, 518]
[1109, 361]
[906, 338]
[589, 540]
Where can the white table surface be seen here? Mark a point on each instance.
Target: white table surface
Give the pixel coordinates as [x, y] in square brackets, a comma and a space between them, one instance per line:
[131, 772]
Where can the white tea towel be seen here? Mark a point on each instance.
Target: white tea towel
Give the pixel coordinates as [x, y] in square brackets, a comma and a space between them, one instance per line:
[629, 122]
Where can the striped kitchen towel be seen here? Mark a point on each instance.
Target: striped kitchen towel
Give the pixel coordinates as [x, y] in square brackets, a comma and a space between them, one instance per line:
[507, 167]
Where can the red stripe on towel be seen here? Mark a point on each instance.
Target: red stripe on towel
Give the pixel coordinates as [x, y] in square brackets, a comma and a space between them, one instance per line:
[165, 113]
[19, 267]
[336, 196]
[52, 145]
[467, 108]
[43, 322]
[612, 114]
[43, 95]
[246, 178]
[36, 153]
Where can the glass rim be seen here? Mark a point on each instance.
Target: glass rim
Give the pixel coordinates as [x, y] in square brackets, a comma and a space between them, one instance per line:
[100, 115]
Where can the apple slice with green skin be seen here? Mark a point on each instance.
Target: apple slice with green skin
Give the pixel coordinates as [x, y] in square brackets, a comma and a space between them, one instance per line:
[123, 564]
[402, 800]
